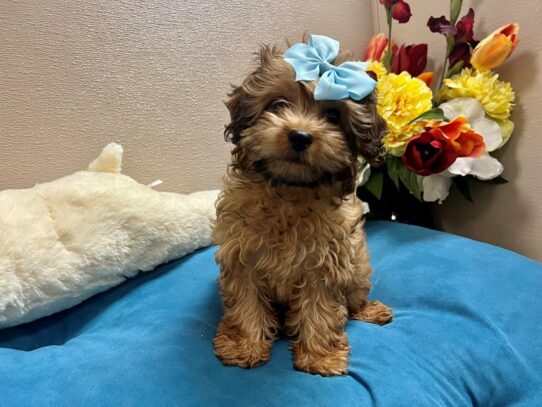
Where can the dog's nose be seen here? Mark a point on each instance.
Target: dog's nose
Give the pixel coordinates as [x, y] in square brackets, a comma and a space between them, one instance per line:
[299, 140]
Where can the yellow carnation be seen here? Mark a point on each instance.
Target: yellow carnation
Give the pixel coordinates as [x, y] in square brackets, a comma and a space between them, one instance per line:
[496, 96]
[402, 98]
[378, 68]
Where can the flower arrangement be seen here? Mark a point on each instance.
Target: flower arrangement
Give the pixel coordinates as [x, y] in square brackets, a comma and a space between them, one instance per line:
[443, 135]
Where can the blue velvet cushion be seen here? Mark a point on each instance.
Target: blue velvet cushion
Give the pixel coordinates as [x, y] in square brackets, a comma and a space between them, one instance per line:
[466, 331]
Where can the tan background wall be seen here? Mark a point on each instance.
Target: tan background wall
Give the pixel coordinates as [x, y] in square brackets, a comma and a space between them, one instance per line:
[77, 74]
[507, 215]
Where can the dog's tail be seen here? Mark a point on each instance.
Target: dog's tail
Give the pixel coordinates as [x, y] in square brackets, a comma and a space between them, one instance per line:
[109, 160]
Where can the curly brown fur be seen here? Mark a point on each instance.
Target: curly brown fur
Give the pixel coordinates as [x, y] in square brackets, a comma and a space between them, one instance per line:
[289, 224]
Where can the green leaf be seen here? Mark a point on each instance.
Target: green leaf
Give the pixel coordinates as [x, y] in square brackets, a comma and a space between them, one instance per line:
[433, 114]
[463, 186]
[410, 181]
[495, 181]
[454, 70]
[455, 10]
[375, 183]
[393, 170]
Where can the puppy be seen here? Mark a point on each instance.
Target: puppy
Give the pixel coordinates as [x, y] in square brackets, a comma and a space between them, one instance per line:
[293, 254]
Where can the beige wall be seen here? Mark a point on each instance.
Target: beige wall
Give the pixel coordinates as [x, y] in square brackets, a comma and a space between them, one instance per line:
[77, 74]
[508, 215]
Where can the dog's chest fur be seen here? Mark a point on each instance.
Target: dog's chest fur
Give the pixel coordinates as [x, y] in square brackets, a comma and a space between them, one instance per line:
[290, 239]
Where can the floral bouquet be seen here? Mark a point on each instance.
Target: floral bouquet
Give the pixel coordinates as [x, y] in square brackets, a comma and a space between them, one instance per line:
[446, 135]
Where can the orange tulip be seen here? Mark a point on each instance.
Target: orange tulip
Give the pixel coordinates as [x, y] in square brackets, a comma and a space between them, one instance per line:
[464, 139]
[427, 77]
[496, 48]
[377, 46]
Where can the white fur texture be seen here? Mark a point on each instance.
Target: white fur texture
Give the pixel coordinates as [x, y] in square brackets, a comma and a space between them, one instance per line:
[64, 241]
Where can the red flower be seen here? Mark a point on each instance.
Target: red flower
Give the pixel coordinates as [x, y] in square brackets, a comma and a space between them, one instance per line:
[440, 144]
[429, 153]
[461, 52]
[463, 33]
[465, 28]
[411, 58]
[441, 25]
[401, 11]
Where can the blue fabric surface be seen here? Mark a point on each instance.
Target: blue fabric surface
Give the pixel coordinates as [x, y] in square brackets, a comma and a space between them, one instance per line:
[466, 331]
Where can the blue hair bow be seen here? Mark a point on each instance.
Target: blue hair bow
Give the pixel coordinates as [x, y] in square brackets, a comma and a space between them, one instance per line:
[315, 60]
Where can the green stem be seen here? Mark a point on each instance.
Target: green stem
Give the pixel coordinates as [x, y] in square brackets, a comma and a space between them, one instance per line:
[455, 11]
[450, 43]
[387, 61]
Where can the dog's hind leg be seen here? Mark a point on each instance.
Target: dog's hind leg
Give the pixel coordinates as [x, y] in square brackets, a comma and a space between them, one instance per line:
[373, 312]
[359, 307]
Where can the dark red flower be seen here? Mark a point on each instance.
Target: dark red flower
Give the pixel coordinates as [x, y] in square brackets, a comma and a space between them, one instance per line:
[463, 33]
[429, 153]
[461, 52]
[401, 11]
[411, 58]
[386, 3]
[441, 25]
[465, 28]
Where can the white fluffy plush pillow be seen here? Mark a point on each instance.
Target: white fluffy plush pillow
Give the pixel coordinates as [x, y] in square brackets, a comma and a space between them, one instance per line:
[64, 241]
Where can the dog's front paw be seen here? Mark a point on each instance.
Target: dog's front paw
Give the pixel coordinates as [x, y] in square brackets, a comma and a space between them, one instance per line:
[327, 363]
[235, 349]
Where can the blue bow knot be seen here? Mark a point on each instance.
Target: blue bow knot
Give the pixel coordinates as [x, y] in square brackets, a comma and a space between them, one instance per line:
[315, 60]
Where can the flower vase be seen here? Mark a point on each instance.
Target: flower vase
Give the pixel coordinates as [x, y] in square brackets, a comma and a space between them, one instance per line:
[397, 205]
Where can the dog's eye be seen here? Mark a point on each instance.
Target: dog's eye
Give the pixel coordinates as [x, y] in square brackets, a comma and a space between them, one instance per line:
[333, 116]
[277, 105]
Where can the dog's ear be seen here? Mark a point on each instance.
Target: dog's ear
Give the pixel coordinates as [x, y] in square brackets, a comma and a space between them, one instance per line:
[243, 100]
[368, 129]
[240, 119]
